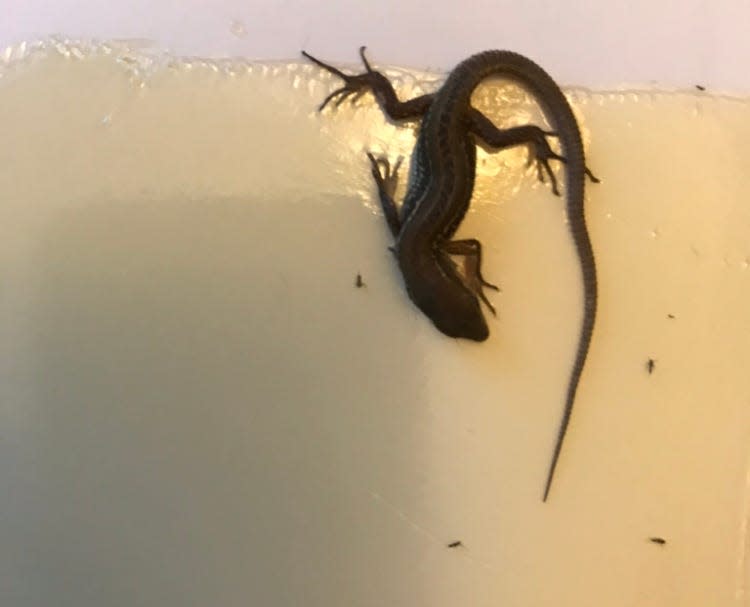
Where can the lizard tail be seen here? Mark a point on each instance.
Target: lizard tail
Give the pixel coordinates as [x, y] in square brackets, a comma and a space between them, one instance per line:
[588, 271]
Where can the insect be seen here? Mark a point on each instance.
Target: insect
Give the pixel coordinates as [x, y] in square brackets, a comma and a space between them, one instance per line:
[657, 540]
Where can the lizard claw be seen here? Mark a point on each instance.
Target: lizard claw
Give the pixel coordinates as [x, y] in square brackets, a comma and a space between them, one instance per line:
[543, 153]
[542, 166]
[387, 180]
[356, 84]
[591, 176]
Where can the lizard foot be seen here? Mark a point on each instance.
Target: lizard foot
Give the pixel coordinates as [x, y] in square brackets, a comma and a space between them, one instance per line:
[541, 156]
[471, 250]
[354, 84]
[387, 179]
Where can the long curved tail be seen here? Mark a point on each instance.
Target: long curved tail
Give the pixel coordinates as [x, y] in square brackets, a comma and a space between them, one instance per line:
[557, 109]
[588, 270]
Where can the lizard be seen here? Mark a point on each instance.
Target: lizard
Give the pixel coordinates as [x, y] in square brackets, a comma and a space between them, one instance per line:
[441, 184]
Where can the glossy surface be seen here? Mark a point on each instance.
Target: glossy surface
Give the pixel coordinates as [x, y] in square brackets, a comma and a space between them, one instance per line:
[199, 406]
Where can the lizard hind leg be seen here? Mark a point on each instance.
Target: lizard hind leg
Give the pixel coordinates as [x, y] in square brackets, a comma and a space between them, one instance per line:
[471, 250]
[354, 84]
[593, 178]
[529, 135]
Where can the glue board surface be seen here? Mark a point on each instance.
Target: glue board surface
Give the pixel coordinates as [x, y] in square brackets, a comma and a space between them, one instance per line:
[202, 404]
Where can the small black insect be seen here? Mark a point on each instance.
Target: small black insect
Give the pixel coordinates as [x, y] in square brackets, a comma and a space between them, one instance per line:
[700, 87]
[650, 364]
[455, 544]
[670, 315]
[657, 540]
[359, 283]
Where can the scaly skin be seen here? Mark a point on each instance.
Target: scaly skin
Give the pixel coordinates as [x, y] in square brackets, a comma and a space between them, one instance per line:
[442, 182]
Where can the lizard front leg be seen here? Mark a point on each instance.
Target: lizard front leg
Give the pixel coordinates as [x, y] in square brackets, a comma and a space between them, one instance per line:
[471, 250]
[386, 182]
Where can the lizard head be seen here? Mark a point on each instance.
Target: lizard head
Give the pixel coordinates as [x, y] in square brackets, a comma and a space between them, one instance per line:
[462, 317]
[453, 309]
